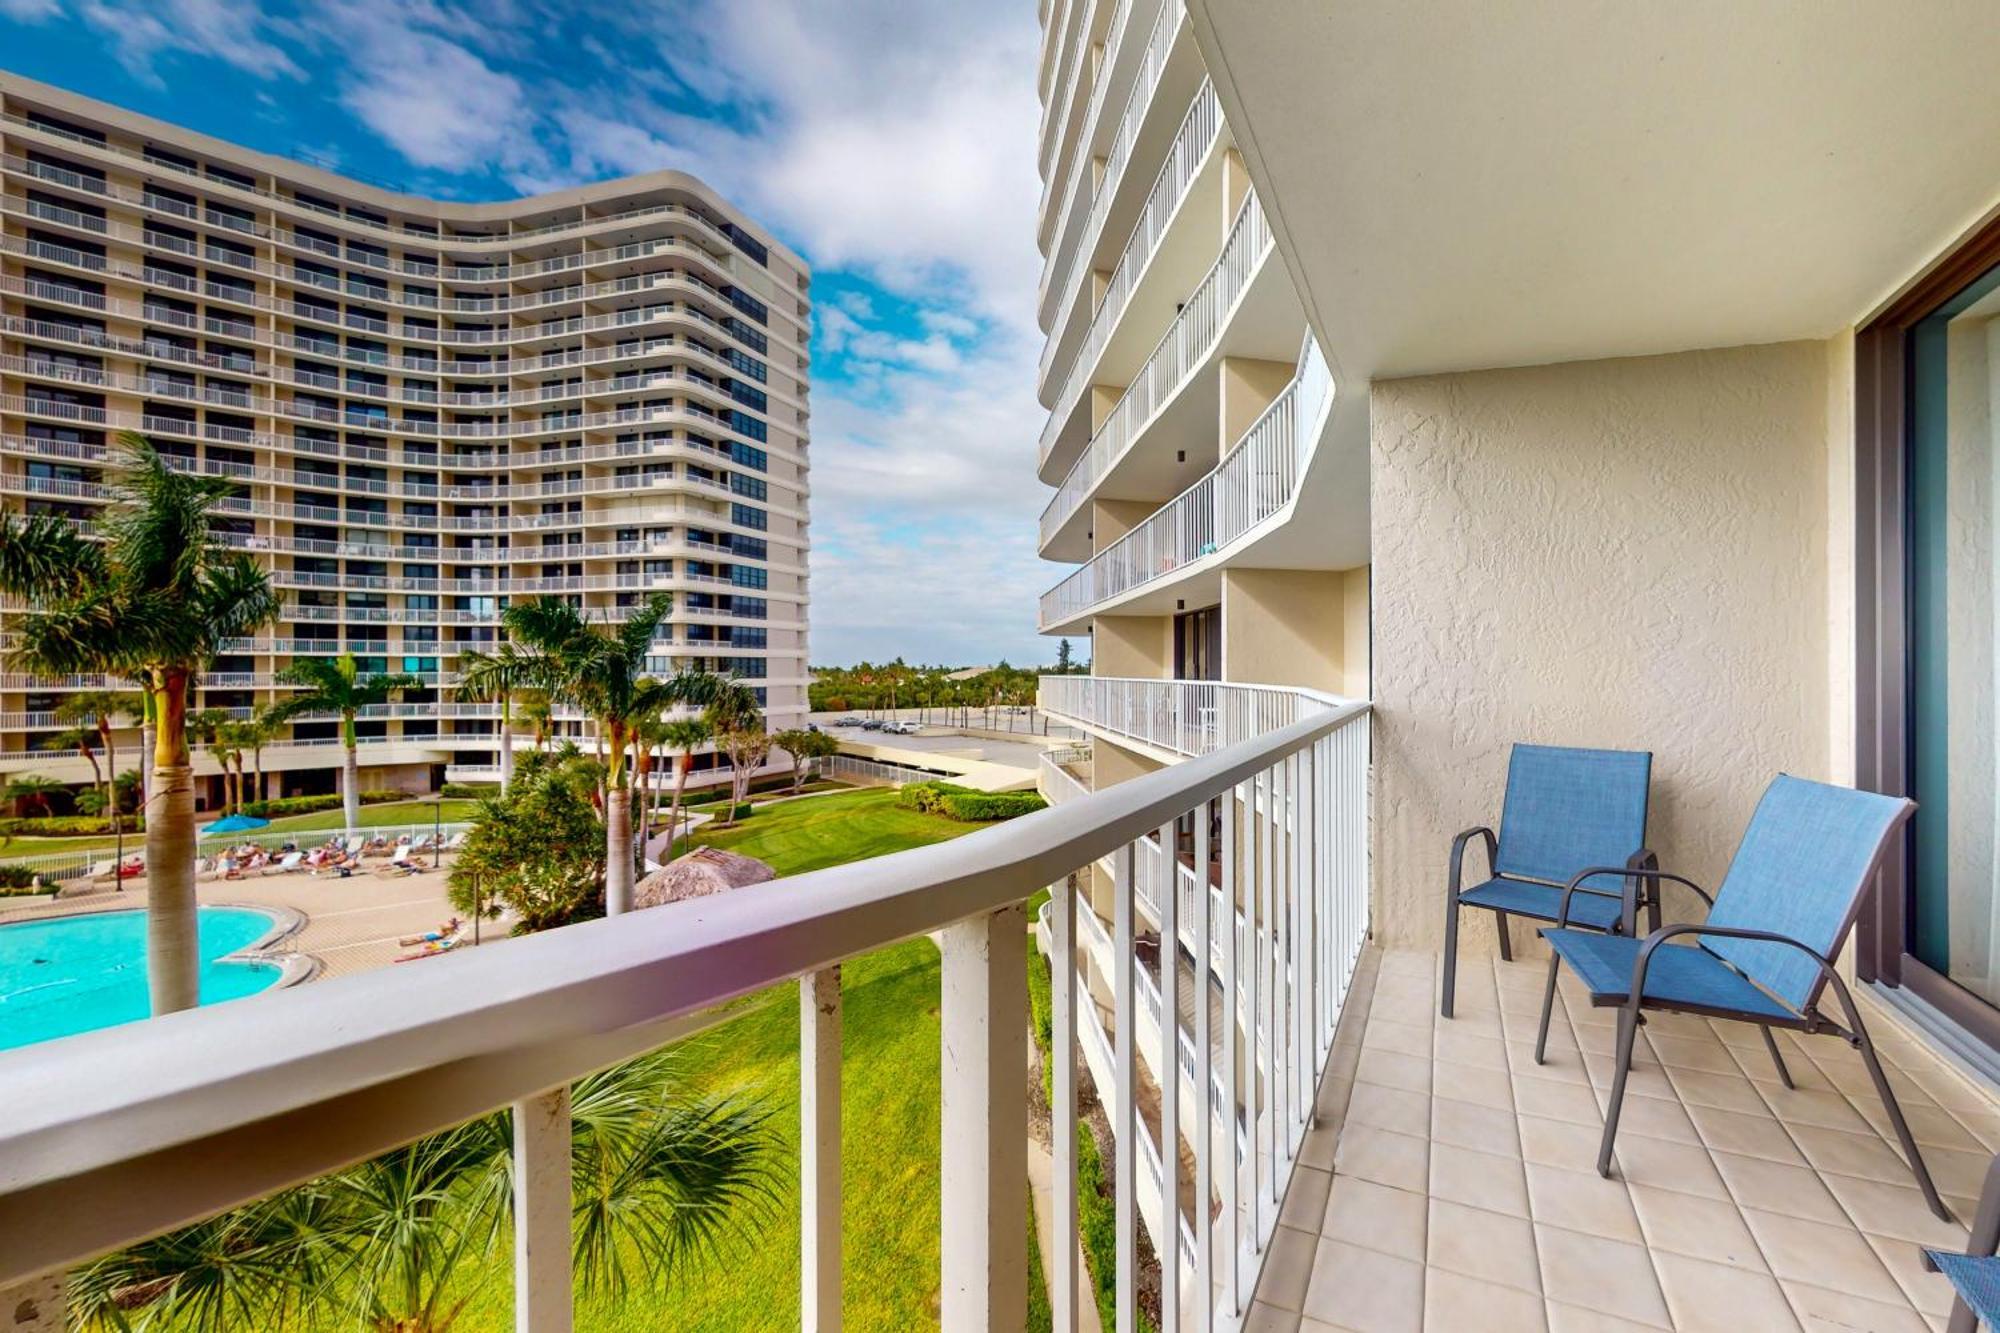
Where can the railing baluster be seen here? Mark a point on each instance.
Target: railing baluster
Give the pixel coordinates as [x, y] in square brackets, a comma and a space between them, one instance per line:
[984, 1157]
[542, 1211]
[1062, 1114]
[1236, 919]
[1125, 1116]
[1204, 1081]
[819, 1151]
[1169, 1233]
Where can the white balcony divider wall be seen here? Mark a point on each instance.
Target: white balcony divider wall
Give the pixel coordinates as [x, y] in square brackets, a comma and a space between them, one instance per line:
[1188, 341]
[1257, 479]
[119, 1134]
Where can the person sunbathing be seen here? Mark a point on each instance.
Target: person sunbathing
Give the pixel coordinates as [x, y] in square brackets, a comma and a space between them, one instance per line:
[448, 930]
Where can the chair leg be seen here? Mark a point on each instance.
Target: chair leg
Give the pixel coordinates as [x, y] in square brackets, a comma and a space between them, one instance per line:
[1450, 953]
[1506, 945]
[1548, 1007]
[1628, 1029]
[1771, 1045]
[1911, 1152]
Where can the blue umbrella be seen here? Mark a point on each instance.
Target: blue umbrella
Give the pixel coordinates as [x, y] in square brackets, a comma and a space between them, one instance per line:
[236, 824]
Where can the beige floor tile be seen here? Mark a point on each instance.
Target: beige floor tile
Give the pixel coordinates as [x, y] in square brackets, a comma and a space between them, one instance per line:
[1898, 1211]
[1700, 1053]
[1646, 1078]
[1821, 1255]
[1582, 1201]
[1639, 1160]
[1400, 1037]
[1387, 1108]
[1928, 1291]
[1407, 962]
[1576, 1319]
[1385, 1157]
[1600, 1274]
[1931, 1126]
[1828, 1110]
[1806, 1075]
[1559, 1143]
[1265, 1318]
[1710, 1229]
[1483, 1245]
[1478, 1180]
[1777, 1187]
[1288, 1268]
[1728, 1092]
[1574, 1102]
[1478, 1084]
[1305, 1198]
[1824, 1310]
[1460, 1046]
[1657, 1119]
[1862, 1154]
[1377, 1217]
[1560, 1065]
[1392, 1069]
[1953, 1171]
[1713, 1298]
[1365, 1290]
[1750, 1135]
[1481, 1128]
[1454, 1303]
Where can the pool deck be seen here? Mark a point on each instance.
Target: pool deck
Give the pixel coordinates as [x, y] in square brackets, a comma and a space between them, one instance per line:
[350, 925]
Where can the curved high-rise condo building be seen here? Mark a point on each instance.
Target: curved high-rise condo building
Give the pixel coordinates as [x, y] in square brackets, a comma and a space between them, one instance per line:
[431, 409]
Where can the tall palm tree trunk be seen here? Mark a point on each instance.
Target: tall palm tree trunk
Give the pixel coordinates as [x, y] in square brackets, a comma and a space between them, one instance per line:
[506, 743]
[262, 795]
[111, 770]
[681, 767]
[173, 956]
[148, 740]
[350, 777]
[617, 826]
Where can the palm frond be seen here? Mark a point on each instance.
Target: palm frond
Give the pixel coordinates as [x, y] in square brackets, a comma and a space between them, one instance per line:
[44, 556]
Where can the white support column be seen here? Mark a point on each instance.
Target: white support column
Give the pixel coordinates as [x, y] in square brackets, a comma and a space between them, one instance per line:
[984, 1163]
[542, 1290]
[819, 1151]
[1124, 1105]
[1062, 1089]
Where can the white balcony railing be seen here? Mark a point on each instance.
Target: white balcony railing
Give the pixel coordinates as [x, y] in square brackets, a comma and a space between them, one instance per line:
[1188, 341]
[1186, 717]
[127, 1132]
[1054, 780]
[1257, 479]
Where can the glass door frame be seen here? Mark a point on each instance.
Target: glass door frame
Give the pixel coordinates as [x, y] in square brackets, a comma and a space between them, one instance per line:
[1882, 608]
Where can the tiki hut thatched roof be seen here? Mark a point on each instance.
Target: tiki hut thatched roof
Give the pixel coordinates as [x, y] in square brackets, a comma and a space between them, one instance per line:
[703, 871]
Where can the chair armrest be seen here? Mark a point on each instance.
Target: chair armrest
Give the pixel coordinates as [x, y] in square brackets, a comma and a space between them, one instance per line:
[1458, 856]
[1632, 871]
[1665, 933]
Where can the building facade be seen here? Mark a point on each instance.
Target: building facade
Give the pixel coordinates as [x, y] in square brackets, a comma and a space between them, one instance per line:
[430, 409]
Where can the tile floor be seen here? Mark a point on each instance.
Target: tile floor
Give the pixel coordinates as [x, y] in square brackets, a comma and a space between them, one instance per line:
[1451, 1183]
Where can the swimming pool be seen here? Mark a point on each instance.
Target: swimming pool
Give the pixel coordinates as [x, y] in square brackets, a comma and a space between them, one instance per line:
[73, 974]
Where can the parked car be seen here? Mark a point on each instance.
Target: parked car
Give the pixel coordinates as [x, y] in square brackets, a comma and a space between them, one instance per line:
[873, 724]
[903, 728]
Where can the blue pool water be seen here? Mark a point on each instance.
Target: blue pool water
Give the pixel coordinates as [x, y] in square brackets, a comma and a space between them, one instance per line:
[76, 973]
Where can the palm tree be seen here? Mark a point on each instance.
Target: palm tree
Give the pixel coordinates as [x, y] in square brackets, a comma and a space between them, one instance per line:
[682, 736]
[98, 709]
[538, 711]
[213, 726]
[33, 789]
[336, 685]
[151, 598]
[601, 670]
[259, 732]
[660, 1178]
[494, 678]
[83, 740]
[649, 734]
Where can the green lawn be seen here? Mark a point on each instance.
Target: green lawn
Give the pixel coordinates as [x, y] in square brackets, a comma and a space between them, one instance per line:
[372, 816]
[889, 1095]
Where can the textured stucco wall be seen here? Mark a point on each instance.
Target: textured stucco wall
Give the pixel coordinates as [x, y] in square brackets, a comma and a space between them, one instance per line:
[1286, 627]
[1132, 646]
[1625, 553]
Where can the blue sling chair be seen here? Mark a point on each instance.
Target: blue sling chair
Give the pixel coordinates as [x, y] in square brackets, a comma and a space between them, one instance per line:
[1765, 953]
[1975, 1275]
[1565, 810]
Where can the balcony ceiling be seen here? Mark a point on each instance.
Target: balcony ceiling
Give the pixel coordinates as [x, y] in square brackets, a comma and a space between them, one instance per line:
[1459, 187]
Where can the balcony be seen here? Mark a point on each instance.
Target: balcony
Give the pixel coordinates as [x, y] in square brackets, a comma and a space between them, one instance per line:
[126, 1132]
[1229, 312]
[1178, 718]
[1210, 521]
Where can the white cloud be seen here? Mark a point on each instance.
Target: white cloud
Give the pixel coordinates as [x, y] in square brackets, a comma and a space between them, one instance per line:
[232, 31]
[437, 103]
[29, 11]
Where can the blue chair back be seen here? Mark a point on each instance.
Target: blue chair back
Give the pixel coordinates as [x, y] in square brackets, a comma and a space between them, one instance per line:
[1568, 810]
[1804, 862]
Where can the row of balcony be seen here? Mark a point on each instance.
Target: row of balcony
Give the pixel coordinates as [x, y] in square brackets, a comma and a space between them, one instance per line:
[1255, 482]
[1187, 343]
[143, 162]
[1200, 128]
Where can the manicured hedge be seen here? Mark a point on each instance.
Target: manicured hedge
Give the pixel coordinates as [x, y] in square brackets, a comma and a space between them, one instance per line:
[63, 826]
[1041, 1012]
[966, 805]
[306, 805]
[470, 791]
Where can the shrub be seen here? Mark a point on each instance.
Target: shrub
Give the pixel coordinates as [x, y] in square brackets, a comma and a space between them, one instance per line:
[306, 805]
[741, 812]
[1041, 1011]
[470, 791]
[15, 878]
[64, 826]
[984, 806]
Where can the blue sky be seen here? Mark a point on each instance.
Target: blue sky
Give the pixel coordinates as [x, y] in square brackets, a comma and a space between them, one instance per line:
[889, 141]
